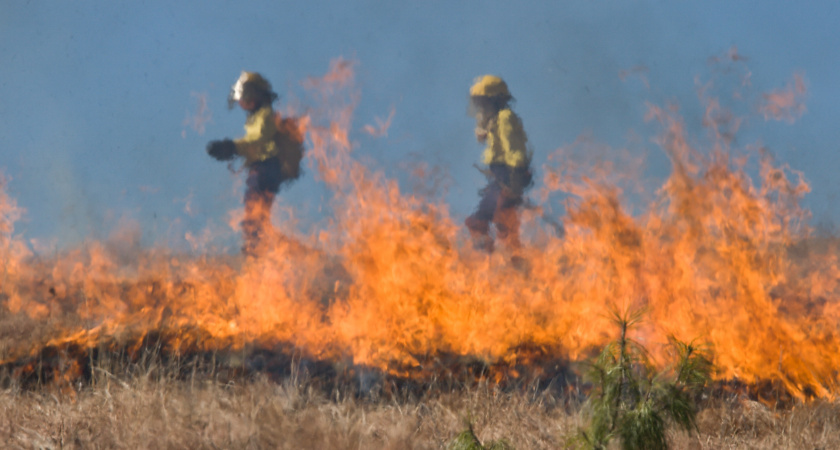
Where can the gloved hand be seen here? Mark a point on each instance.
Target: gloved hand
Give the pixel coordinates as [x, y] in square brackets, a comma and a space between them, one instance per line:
[223, 150]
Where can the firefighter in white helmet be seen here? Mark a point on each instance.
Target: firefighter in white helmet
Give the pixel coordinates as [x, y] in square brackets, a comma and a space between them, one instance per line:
[508, 164]
[272, 149]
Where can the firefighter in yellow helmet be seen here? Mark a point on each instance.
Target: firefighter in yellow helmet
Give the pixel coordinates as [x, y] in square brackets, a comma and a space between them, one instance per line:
[271, 148]
[508, 164]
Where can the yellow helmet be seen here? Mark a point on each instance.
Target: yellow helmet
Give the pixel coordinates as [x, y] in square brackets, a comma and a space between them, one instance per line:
[249, 83]
[489, 86]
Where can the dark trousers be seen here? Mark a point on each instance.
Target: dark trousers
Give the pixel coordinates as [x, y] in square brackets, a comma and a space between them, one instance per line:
[261, 186]
[499, 205]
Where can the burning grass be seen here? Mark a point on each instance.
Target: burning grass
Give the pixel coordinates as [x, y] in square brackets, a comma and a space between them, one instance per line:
[140, 390]
[388, 327]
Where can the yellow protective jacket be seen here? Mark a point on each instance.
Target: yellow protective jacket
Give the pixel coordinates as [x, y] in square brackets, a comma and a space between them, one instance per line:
[506, 141]
[260, 140]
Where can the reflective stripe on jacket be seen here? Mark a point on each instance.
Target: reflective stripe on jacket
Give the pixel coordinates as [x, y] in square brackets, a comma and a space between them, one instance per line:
[506, 141]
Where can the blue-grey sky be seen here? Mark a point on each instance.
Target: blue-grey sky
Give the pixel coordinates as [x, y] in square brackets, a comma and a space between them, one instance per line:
[94, 94]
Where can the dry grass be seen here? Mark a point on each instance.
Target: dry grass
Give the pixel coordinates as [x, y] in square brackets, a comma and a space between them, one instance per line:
[151, 408]
[151, 412]
[158, 403]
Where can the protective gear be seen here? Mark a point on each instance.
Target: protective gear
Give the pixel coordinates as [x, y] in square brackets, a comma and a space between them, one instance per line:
[250, 85]
[272, 148]
[269, 135]
[509, 160]
[259, 142]
[506, 141]
[499, 206]
[261, 186]
[520, 180]
[489, 86]
[289, 141]
[223, 150]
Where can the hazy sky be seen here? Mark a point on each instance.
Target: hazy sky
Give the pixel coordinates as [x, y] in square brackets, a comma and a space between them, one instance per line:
[94, 94]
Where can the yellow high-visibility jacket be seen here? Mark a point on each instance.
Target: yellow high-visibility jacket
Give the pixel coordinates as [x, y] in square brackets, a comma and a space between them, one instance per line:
[259, 142]
[506, 141]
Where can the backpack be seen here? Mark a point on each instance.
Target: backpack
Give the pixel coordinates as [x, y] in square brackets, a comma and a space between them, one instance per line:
[289, 140]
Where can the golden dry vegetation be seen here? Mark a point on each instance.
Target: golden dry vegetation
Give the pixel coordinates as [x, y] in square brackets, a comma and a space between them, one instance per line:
[160, 403]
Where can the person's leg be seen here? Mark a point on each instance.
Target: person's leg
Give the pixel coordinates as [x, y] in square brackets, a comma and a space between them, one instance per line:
[506, 218]
[479, 222]
[257, 219]
[505, 208]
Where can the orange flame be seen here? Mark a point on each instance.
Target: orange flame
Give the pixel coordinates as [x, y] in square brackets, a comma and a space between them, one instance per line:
[382, 125]
[390, 282]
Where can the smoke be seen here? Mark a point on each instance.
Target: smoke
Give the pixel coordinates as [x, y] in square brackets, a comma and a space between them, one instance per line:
[198, 119]
[786, 104]
[382, 125]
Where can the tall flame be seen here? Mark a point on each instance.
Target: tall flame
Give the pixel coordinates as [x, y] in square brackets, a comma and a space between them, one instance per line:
[391, 282]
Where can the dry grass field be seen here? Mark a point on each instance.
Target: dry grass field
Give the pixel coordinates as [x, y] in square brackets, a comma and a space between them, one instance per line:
[157, 404]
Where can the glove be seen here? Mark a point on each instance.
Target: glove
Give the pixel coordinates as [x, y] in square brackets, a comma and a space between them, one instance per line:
[223, 150]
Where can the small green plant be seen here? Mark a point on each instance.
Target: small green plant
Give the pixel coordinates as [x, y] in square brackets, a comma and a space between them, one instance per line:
[633, 402]
[467, 440]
